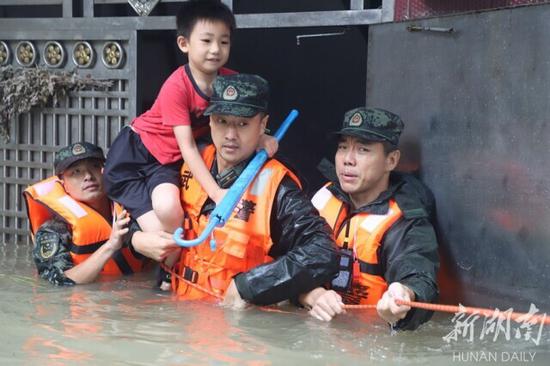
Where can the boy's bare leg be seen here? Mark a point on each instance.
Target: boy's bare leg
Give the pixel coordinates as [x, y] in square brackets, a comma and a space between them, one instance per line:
[154, 249]
[168, 210]
[149, 222]
[167, 206]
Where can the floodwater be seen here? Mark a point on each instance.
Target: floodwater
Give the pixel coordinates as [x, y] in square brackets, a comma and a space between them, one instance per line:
[125, 322]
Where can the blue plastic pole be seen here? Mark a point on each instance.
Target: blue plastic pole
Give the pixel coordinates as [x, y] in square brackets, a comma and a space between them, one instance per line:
[223, 211]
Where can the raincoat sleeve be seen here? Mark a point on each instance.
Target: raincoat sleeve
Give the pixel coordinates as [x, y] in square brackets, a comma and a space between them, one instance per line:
[304, 253]
[410, 257]
[51, 252]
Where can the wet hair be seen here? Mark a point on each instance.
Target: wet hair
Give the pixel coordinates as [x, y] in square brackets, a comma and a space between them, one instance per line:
[193, 11]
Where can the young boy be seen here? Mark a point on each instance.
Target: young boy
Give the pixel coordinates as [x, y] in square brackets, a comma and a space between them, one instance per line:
[143, 164]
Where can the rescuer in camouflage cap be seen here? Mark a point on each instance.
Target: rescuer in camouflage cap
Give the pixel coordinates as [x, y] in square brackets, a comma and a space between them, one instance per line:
[79, 233]
[391, 252]
[69, 155]
[372, 124]
[242, 95]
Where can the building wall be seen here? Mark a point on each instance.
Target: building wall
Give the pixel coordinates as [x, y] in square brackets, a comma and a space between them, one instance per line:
[475, 105]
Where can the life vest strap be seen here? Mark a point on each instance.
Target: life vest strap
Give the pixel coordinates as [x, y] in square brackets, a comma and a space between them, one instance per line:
[190, 275]
[85, 249]
[122, 263]
[370, 268]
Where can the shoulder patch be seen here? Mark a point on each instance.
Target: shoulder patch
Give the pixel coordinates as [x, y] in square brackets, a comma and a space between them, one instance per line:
[48, 244]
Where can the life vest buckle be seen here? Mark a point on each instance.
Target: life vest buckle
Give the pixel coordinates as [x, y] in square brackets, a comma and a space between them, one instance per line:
[190, 275]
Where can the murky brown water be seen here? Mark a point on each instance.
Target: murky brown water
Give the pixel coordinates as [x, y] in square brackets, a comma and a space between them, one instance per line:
[125, 322]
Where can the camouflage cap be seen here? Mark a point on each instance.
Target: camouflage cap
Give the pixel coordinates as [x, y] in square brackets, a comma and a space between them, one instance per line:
[242, 95]
[69, 155]
[372, 124]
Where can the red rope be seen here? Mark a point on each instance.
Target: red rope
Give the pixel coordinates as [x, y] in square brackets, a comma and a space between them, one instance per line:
[517, 317]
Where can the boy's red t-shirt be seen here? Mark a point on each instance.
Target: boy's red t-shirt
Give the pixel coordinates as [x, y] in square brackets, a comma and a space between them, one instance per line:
[180, 102]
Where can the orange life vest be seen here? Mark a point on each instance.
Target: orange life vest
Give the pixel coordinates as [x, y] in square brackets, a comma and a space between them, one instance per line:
[90, 230]
[363, 234]
[241, 244]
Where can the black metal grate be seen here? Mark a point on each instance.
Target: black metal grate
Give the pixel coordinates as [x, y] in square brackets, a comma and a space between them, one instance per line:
[93, 116]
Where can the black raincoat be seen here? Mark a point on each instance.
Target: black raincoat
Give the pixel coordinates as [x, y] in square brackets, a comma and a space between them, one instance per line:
[305, 255]
[408, 252]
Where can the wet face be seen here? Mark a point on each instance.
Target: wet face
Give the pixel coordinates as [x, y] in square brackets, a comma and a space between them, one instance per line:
[83, 181]
[236, 138]
[207, 46]
[363, 168]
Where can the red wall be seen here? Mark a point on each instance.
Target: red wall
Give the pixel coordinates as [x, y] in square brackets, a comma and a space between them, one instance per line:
[412, 9]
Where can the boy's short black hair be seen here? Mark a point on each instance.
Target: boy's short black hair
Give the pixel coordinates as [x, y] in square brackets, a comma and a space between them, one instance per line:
[194, 10]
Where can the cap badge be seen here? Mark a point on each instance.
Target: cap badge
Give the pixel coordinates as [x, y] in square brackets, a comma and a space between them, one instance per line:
[230, 93]
[356, 120]
[78, 149]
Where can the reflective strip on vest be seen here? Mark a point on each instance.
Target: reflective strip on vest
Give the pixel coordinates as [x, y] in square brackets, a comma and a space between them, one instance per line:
[321, 198]
[72, 206]
[324, 201]
[371, 222]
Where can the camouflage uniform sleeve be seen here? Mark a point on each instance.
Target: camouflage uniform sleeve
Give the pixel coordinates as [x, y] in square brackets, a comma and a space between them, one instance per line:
[51, 252]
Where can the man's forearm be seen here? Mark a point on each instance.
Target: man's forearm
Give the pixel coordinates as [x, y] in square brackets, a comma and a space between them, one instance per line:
[88, 270]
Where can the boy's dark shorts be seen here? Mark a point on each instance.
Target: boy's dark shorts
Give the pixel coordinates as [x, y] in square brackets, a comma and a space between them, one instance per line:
[131, 173]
